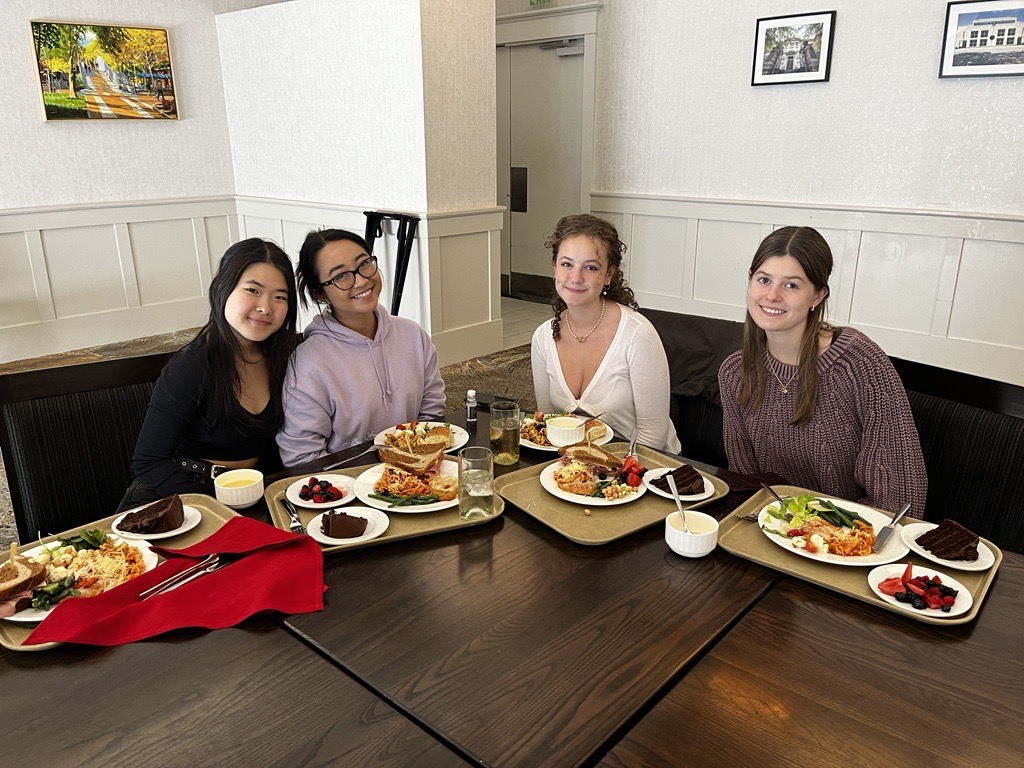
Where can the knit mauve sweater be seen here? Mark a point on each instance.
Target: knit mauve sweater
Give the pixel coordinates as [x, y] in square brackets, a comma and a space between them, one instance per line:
[861, 443]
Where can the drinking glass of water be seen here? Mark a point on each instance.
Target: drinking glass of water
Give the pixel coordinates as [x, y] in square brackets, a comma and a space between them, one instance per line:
[505, 432]
[476, 482]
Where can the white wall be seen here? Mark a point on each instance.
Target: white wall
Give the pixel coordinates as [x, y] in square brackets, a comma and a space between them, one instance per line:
[74, 162]
[325, 102]
[459, 97]
[679, 116]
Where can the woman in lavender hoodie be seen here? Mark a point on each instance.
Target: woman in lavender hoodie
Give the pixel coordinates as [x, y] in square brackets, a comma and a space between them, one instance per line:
[359, 370]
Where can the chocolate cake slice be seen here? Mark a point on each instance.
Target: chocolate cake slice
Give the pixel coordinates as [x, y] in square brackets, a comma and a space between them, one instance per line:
[341, 525]
[951, 541]
[159, 517]
[689, 481]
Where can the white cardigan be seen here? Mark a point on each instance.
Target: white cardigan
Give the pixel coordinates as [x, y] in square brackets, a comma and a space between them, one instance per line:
[631, 386]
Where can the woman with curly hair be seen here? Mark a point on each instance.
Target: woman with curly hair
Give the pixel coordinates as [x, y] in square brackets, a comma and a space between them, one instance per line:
[598, 354]
[820, 405]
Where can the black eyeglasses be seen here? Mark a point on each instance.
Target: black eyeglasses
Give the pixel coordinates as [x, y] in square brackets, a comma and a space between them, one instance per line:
[345, 280]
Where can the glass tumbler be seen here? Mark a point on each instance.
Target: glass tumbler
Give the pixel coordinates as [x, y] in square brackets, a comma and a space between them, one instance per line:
[476, 483]
[505, 432]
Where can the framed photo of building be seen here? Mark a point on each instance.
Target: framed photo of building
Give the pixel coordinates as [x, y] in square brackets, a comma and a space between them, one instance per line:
[794, 49]
[983, 39]
[97, 71]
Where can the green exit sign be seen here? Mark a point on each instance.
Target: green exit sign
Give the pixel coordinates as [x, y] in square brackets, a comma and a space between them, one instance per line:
[539, 2]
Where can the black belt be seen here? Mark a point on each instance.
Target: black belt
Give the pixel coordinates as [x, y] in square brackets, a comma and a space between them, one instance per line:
[200, 467]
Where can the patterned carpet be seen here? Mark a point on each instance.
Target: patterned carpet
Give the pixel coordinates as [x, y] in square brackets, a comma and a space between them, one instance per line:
[505, 374]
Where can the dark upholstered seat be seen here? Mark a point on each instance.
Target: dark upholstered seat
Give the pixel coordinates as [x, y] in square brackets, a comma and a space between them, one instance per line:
[696, 347]
[972, 437]
[67, 438]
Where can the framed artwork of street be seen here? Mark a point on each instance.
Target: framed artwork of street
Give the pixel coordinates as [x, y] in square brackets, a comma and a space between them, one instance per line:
[793, 49]
[97, 71]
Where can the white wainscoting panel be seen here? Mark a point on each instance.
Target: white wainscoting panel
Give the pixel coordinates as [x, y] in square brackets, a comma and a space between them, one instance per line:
[938, 287]
[88, 275]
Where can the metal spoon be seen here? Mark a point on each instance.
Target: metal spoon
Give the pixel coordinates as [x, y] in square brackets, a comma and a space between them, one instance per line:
[679, 504]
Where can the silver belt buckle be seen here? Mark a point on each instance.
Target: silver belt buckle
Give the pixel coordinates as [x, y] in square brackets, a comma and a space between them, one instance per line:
[217, 469]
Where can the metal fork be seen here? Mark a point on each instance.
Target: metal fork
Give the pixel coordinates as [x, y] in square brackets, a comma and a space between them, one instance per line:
[295, 526]
[632, 444]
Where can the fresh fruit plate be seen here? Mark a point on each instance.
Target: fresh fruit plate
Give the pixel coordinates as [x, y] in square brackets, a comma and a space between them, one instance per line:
[920, 589]
[321, 491]
[744, 538]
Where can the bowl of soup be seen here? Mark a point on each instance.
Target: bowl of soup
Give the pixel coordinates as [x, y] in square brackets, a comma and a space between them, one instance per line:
[239, 488]
[564, 430]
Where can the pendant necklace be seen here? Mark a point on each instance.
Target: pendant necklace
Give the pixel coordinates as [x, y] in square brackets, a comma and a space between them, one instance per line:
[785, 387]
[587, 335]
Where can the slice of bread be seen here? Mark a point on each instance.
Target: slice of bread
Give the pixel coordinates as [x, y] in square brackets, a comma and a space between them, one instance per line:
[593, 455]
[20, 575]
[413, 462]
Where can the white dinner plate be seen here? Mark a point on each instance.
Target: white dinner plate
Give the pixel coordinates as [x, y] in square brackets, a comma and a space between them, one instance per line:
[893, 550]
[964, 600]
[547, 481]
[376, 523]
[341, 481]
[653, 474]
[192, 518]
[31, 615]
[365, 482]
[603, 440]
[986, 557]
[459, 436]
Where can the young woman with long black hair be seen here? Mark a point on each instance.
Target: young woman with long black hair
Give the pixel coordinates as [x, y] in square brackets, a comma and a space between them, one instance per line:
[217, 403]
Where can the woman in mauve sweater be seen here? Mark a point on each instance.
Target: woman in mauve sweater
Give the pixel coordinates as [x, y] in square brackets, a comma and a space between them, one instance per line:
[359, 370]
[819, 405]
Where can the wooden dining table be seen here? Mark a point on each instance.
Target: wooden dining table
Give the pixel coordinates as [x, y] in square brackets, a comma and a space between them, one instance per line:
[809, 677]
[506, 644]
[517, 646]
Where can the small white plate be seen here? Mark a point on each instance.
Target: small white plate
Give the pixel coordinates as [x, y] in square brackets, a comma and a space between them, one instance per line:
[365, 482]
[376, 523]
[459, 436]
[986, 557]
[603, 440]
[31, 615]
[192, 518]
[341, 481]
[894, 549]
[654, 474]
[547, 481]
[964, 598]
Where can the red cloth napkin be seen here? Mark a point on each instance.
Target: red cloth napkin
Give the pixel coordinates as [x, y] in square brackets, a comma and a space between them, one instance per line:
[280, 571]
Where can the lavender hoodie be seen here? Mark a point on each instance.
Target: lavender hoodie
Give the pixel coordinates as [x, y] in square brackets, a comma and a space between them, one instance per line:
[342, 388]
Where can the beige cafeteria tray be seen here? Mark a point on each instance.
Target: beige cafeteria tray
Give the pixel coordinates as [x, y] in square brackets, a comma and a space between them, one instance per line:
[214, 515]
[603, 524]
[401, 525]
[745, 539]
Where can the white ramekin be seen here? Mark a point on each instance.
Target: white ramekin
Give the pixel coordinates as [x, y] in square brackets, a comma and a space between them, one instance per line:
[702, 538]
[242, 496]
[564, 430]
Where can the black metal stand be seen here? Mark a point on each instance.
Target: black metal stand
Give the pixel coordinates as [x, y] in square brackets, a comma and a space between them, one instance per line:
[406, 237]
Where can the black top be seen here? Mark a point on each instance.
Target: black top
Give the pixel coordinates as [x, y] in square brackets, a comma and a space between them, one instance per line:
[178, 424]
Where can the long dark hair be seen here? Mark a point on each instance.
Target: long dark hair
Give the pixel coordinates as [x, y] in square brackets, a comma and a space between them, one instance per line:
[222, 347]
[603, 232]
[308, 279]
[809, 248]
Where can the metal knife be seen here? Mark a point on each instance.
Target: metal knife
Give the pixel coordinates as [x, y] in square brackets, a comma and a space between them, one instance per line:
[886, 532]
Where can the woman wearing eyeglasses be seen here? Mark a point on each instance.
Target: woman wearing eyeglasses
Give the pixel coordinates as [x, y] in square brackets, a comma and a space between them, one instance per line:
[359, 370]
